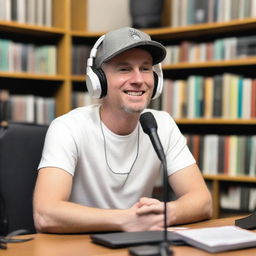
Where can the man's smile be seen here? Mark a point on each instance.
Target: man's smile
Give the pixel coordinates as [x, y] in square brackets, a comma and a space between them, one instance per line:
[134, 93]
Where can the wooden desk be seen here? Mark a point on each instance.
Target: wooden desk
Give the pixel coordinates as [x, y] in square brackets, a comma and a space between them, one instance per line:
[81, 245]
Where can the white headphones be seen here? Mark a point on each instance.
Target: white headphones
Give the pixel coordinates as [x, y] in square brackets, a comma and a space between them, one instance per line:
[96, 80]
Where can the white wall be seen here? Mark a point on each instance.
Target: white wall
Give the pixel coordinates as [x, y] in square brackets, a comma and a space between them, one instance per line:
[105, 15]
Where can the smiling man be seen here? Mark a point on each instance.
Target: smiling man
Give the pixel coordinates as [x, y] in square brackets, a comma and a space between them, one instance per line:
[98, 168]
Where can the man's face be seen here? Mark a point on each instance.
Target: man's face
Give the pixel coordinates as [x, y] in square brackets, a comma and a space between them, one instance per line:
[130, 81]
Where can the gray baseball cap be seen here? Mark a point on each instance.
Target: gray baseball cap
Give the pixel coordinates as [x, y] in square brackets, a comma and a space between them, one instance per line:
[123, 39]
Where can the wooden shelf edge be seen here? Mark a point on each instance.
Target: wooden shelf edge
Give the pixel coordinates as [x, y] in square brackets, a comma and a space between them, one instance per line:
[216, 121]
[86, 34]
[157, 32]
[172, 32]
[78, 78]
[250, 61]
[32, 76]
[208, 28]
[12, 26]
[223, 177]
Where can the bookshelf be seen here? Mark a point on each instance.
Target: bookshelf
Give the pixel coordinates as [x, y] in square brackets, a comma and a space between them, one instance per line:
[201, 32]
[69, 27]
[57, 85]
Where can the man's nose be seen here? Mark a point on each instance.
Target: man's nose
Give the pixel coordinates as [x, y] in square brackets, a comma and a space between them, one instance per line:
[137, 76]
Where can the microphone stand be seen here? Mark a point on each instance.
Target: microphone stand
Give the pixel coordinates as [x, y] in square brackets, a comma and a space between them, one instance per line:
[163, 248]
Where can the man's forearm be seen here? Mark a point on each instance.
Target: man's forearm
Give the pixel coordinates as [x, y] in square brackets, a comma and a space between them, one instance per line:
[67, 217]
[194, 206]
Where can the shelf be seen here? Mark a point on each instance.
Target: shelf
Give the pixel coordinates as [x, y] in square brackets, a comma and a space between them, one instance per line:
[223, 177]
[29, 29]
[202, 29]
[216, 121]
[187, 31]
[248, 61]
[32, 76]
[86, 34]
[78, 78]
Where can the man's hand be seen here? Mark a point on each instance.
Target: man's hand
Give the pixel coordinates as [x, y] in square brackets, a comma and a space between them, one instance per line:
[147, 201]
[147, 214]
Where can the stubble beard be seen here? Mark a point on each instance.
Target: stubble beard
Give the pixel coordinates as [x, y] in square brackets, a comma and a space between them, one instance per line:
[135, 110]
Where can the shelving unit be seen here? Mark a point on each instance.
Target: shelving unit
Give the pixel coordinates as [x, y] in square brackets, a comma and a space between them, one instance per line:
[69, 26]
[245, 65]
[57, 34]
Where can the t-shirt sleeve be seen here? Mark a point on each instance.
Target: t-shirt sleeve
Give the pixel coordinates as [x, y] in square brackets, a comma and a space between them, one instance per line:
[60, 149]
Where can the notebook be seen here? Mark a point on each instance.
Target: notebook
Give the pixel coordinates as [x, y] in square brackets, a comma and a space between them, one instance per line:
[218, 239]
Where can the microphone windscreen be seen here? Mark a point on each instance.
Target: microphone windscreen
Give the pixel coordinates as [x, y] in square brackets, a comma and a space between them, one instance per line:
[148, 122]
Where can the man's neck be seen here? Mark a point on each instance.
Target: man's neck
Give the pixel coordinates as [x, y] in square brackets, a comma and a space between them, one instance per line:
[119, 122]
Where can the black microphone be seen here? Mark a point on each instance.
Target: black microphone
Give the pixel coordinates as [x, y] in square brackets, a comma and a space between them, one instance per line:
[149, 126]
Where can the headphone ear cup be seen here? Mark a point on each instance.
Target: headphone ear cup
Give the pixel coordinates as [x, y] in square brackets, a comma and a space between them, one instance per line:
[102, 80]
[156, 81]
[96, 82]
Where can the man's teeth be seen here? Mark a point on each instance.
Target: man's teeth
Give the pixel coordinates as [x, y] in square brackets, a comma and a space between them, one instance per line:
[134, 93]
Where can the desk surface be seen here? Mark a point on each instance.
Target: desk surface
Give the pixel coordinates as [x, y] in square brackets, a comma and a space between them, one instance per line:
[81, 245]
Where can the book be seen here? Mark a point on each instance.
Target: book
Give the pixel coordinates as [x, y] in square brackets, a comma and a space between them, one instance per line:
[5, 10]
[245, 199]
[21, 11]
[4, 50]
[253, 8]
[175, 14]
[217, 96]
[252, 202]
[31, 12]
[230, 197]
[176, 110]
[167, 96]
[226, 154]
[253, 99]
[196, 147]
[246, 46]
[218, 239]
[252, 168]
[191, 97]
[234, 11]
[208, 96]
[200, 11]
[48, 13]
[226, 95]
[221, 156]
[40, 12]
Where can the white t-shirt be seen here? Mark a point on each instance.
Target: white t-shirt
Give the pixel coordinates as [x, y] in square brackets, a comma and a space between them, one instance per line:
[114, 174]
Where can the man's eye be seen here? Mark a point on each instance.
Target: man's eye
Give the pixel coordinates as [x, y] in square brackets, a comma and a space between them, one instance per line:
[146, 69]
[123, 69]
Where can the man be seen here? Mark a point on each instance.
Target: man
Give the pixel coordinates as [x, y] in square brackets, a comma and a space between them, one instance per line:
[98, 167]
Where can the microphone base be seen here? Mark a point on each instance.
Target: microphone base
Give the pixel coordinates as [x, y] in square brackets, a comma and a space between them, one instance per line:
[161, 249]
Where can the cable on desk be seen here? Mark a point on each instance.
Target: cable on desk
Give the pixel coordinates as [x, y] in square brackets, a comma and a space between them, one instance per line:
[4, 240]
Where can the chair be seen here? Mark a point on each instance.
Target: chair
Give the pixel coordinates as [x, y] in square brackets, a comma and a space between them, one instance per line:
[20, 152]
